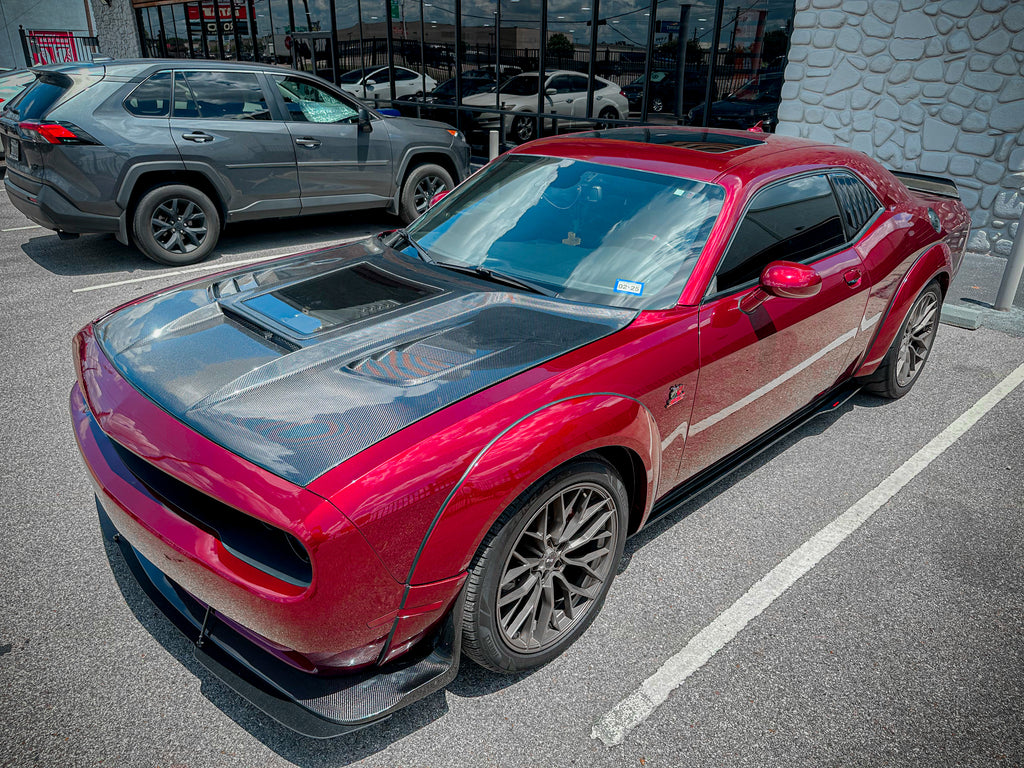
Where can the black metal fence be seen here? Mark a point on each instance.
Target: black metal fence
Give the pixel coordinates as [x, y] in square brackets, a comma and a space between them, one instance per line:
[49, 47]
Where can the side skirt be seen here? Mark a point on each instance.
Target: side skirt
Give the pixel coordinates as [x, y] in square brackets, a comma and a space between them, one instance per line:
[724, 467]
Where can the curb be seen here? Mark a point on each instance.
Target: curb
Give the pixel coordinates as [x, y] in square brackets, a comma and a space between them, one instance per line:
[1010, 321]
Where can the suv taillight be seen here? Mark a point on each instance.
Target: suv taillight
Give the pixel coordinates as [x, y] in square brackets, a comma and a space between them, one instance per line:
[55, 133]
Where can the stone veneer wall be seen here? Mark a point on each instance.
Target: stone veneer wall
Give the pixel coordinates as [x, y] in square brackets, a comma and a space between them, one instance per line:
[116, 29]
[920, 85]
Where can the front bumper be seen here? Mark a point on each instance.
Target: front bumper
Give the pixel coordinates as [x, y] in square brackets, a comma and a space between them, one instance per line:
[50, 209]
[315, 706]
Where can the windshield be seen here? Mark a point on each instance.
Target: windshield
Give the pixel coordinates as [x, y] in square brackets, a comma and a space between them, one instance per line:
[758, 90]
[521, 85]
[586, 232]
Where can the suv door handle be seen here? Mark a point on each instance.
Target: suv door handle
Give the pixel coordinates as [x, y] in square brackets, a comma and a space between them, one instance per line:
[308, 141]
[198, 136]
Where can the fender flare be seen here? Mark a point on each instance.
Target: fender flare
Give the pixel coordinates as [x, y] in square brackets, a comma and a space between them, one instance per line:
[932, 263]
[499, 473]
[407, 161]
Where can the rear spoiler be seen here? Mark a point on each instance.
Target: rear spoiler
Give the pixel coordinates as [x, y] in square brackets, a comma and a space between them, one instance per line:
[931, 185]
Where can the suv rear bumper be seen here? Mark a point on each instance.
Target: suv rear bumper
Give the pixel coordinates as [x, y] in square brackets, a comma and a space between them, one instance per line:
[52, 210]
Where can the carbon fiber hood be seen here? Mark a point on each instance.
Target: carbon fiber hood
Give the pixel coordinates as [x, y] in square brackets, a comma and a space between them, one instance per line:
[302, 364]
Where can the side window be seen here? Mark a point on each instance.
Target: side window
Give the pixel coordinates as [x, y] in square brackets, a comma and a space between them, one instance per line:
[226, 95]
[151, 98]
[856, 202]
[792, 221]
[560, 83]
[404, 74]
[184, 101]
[309, 103]
[578, 84]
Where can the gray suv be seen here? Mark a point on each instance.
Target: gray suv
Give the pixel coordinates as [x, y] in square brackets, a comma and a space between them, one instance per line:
[163, 153]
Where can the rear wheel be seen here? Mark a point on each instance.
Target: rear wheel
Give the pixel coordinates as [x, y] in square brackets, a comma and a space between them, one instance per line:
[422, 183]
[608, 113]
[657, 105]
[545, 568]
[905, 359]
[176, 224]
[523, 129]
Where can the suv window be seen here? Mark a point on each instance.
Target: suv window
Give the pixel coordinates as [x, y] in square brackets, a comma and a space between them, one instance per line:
[226, 95]
[793, 221]
[578, 84]
[561, 83]
[37, 99]
[404, 74]
[152, 97]
[309, 103]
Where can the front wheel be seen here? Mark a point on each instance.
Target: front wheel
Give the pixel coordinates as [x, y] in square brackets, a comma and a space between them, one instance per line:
[905, 359]
[176, 224]
[422, 183]
[545, 568]
[523, 129]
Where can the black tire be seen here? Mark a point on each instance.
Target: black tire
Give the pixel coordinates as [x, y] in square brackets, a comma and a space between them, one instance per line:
[520, 593]
[522, 130]
[903, 363]
[176, 224]
[608, 113]
[421, 184]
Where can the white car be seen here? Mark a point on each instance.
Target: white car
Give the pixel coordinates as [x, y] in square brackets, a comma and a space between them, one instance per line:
[373, 84]
[565, 95]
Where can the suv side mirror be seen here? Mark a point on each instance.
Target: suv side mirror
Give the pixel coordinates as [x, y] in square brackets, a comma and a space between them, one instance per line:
[365, 126]
[551, 91]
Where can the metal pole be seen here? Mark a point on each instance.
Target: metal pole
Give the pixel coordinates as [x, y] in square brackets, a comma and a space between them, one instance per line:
[359, 18]
[594, 23]
[334, 43]
[234, 30]
[1012, 272]
[391, 50]
[647, 60]
[542, 62]
[684, 28]
[291, 32]
[24, 43]
[712, 62]
[423, 49]
[458, 63]
[251, 5]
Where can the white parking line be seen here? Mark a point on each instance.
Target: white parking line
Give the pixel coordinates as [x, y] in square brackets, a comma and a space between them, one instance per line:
[204, 267]
[18, 229]
[613, 727]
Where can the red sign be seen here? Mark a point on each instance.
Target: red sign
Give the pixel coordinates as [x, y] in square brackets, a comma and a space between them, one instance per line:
[210, 13]
[53, 47]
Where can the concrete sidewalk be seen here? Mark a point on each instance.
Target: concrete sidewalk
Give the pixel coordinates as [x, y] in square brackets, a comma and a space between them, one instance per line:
[973, 293]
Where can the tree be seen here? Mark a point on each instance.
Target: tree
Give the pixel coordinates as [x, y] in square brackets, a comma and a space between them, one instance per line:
[561, 46]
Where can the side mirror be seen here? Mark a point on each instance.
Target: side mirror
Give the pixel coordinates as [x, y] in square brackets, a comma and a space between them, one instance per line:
[551, 91]
[365, 126]
[438, 197]
[785, 279]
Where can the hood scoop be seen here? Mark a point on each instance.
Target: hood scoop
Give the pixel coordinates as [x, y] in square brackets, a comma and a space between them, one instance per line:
[422, 360]
[336, 299]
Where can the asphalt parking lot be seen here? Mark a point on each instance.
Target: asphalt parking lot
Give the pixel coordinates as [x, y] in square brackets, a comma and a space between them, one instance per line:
[902, 645]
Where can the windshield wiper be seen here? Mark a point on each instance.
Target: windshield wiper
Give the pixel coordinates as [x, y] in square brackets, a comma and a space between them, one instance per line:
[496, 277]
[402, 234]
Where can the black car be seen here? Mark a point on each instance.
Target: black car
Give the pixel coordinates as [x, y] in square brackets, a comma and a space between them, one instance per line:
[438, 103]
[162, 153]
[664, 92]
[756, 101]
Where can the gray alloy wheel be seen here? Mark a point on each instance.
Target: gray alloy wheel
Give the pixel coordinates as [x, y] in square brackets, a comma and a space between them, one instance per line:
[523, 129]
[909, 351]
[545, 568]
[608, 113]
[557, 567]
[176, 224]
[422, 183]
[657, 105]
[916, 342]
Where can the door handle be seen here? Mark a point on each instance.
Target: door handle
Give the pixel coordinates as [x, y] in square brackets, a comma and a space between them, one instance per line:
[198, 137]
[852, 277]
[307, 141]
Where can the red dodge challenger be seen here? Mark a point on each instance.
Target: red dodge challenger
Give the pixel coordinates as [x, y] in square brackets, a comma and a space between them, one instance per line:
[340, 471]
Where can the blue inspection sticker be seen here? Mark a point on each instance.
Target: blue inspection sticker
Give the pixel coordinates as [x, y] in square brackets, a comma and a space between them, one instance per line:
[628, 286]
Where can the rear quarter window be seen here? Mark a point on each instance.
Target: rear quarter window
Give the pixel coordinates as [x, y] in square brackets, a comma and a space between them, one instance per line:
[37, 100]
[151, 98]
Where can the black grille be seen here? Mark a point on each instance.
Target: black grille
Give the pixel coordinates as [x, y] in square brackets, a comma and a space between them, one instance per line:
[262, 546]
[856, 202]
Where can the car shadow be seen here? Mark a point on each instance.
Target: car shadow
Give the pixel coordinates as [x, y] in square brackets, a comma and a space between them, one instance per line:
[815, 426]
[104, 255]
